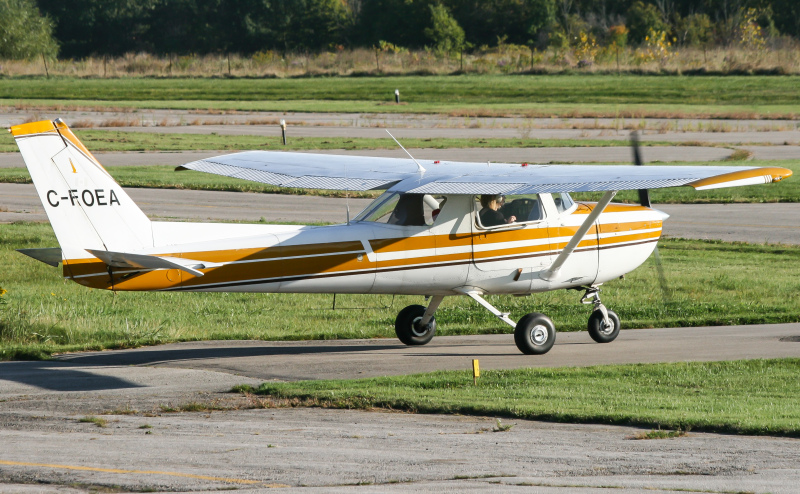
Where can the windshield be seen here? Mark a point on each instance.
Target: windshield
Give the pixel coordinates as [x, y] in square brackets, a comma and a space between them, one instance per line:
[563, 201]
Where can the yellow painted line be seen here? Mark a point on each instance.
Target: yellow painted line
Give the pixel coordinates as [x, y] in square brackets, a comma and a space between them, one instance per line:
[147, 472]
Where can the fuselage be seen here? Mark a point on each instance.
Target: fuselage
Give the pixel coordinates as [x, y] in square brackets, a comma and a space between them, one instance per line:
[371, 257]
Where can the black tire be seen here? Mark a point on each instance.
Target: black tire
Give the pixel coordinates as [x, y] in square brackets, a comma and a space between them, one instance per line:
[535, 334]
[406, 326]
[597, 329]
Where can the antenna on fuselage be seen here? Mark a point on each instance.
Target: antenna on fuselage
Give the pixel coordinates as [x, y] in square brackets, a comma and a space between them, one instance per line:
[421, 169]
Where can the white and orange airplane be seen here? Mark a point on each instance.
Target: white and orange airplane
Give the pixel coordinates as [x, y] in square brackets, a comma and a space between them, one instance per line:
[440, 229]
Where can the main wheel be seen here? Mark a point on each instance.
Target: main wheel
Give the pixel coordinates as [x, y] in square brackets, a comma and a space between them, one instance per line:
[598, 329]
[407, 327]
[535, 334]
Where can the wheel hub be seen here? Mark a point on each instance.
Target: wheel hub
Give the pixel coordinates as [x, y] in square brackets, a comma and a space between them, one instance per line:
[539, 334]
[416, 330]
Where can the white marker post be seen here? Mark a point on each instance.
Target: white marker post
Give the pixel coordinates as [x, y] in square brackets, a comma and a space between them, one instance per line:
[283, 130]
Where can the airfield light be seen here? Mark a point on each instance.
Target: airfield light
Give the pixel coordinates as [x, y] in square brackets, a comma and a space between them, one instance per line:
[283, 130]
[397, 96]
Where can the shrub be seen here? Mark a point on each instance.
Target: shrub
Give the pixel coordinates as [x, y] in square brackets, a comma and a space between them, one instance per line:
[644, 19]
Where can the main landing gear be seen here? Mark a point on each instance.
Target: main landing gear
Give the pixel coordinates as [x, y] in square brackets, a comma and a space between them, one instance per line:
[534, 334]
[415, 325]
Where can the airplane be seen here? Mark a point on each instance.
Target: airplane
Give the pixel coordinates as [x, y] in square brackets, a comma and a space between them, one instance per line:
[439, 229]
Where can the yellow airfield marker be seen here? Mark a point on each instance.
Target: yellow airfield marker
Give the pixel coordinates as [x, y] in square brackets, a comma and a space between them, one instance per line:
[476, 371]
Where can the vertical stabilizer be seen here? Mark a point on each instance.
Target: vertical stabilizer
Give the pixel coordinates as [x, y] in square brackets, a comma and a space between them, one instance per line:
[85, 205]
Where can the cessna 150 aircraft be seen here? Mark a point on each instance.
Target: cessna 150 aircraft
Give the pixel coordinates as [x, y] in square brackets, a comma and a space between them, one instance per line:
[440, 229]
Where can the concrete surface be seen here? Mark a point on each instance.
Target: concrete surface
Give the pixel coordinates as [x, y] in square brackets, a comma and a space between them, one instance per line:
[254, 446]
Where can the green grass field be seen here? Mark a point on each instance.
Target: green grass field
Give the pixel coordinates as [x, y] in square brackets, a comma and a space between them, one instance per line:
[743, 397]
[708, 284]
[541, 95]
[116, 141]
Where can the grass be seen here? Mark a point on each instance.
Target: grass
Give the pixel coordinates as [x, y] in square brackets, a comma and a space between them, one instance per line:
[632, 96]
[743, 397]
[165, 177]
[710, 283]
[660, 434]
[116, 141]
[99, 422]
[500, 59]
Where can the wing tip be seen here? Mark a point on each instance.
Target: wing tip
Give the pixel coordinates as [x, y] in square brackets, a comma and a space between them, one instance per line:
[750, 176]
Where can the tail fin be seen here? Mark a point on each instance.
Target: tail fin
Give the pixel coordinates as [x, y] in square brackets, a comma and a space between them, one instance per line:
[85, 205]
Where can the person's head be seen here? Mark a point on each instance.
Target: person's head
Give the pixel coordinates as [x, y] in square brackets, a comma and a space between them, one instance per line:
[492, 201]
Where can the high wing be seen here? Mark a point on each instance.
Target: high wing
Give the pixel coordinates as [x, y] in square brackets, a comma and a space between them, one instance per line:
[359, 173]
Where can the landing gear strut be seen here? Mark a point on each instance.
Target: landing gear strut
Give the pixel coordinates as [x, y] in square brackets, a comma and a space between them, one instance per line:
[534, 334]
[603, 323]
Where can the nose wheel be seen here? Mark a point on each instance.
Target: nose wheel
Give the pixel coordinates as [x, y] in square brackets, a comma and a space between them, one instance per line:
[603, 323]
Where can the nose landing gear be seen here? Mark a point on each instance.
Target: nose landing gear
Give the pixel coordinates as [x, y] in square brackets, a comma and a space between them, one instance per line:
[603, 323]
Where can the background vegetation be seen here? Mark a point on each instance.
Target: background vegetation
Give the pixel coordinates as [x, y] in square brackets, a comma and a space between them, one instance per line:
[337, 36]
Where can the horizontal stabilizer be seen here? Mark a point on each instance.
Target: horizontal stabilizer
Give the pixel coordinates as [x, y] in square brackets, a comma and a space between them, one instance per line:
[128, 260]
[50, 255]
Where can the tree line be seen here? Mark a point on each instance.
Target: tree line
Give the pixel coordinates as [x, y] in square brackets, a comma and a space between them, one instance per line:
[83, 28]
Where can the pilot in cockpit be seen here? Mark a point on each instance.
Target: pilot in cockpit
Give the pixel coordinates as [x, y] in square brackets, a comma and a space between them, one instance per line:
[490, 215]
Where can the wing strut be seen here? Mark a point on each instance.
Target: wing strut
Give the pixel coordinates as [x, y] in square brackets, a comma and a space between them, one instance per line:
[553, 270]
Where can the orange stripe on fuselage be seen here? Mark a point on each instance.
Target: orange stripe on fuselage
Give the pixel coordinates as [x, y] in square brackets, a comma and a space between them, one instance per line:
[282, 261]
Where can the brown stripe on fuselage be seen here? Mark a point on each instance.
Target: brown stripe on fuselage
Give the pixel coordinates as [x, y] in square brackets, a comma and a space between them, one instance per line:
[342, 258]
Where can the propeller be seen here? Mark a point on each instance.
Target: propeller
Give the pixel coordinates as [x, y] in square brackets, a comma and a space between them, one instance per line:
[644, 200]
[644, 194]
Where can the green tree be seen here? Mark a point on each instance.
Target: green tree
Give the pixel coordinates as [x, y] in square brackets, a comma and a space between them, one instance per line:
[24, 31]
[695, 30]
[643, 18]
[446, 34]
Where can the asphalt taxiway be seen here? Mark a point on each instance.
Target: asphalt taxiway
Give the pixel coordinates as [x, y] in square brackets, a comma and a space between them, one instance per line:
[50, 445]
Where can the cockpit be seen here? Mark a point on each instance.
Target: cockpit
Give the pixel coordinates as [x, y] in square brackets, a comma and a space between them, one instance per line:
[491, 211]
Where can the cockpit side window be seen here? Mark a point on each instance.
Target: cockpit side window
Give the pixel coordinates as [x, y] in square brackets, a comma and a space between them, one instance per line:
[499, 210]
[403, 209]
